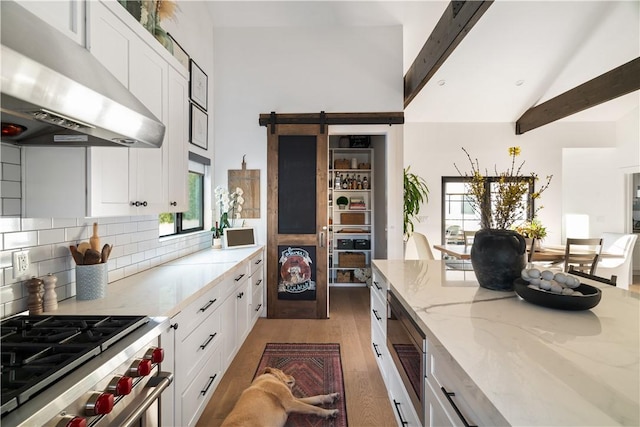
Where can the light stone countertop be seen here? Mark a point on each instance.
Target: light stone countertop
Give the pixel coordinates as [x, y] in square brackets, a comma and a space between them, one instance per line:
[163, 290]
[537, 366]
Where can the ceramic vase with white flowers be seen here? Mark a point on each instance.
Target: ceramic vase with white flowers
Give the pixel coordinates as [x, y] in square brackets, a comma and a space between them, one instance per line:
[229, 210]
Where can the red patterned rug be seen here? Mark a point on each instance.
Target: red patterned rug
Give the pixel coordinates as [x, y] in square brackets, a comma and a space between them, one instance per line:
[317, 370]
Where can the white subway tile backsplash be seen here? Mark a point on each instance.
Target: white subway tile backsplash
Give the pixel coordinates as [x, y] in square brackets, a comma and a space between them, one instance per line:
[46, 237]
[11, 207]
[21, 239]
[136, 248]
[64, 222]
[10, 189]
[29, 224]
[7, 225]
[10, 172]
[10, 154]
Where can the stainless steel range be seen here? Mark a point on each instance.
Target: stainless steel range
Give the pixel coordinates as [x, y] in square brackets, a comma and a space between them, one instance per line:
[81, 370]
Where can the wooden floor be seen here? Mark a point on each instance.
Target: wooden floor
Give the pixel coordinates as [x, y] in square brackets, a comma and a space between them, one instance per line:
[349, 325]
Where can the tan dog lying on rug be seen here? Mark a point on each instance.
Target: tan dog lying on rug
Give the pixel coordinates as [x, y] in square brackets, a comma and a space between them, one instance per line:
[268, 401]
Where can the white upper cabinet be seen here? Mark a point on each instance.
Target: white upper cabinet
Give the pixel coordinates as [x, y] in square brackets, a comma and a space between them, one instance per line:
[178, 135]
[117, 180]
[67, 16]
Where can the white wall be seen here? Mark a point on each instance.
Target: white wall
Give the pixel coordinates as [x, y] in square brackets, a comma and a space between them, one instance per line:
[296, 70]
[432, 149]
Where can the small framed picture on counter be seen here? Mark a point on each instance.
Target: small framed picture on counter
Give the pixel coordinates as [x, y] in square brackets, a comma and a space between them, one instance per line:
[198, 85]
[198, 129]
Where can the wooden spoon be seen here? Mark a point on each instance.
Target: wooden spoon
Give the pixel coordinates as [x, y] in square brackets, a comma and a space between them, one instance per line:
[106, 251]
[82, 247]
[92, 257]
[77, 256]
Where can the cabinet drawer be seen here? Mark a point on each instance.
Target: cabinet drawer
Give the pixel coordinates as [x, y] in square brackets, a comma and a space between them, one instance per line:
[197, 394]
[378, 314]
[197, 312]
[257, 297]
[458, 397]
[400, 401]
[198, 345]
[379, 348]
[256, 262]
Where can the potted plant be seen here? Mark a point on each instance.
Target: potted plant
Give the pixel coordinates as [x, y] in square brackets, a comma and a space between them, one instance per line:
[415, 193]
[532, 230]
[342, 202]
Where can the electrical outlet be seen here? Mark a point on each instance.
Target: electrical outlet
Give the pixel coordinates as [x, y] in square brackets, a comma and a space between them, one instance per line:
[20, 263]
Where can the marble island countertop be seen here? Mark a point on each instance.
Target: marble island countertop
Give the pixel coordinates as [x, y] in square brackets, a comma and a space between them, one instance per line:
[163, 290]
[535, 365]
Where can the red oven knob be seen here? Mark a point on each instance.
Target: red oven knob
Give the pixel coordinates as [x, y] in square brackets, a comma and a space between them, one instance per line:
[98, 404]
[140, 368]
[120, 386]
[72, 421]
[155, 354]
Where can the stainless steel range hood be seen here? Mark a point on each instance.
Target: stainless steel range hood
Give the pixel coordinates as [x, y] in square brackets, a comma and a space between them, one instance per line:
[59, 94]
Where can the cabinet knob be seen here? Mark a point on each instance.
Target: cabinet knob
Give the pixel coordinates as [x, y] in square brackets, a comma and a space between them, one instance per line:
[144, 203]
[174, 203]
[174, 326]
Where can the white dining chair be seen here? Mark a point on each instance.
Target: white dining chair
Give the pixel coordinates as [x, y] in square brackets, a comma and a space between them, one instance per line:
[622, 245]
[420, 245]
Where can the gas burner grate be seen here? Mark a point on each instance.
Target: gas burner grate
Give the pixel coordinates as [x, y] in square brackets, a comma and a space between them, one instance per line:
[38, 350]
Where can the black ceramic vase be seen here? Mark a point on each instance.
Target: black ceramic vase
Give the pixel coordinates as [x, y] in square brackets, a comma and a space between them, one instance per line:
[498, 257]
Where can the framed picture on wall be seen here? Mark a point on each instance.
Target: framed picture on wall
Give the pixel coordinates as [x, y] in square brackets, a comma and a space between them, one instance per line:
[179, 53]
[198, 85]
[198, 129]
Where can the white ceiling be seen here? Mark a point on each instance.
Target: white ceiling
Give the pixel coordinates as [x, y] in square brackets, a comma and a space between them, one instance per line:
[547, 46]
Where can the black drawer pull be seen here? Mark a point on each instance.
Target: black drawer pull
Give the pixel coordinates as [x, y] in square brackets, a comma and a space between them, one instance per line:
[174, 326]
[239, 277]
[240, 295]
[375, 348]
[377, 286]
[258, 282]
[449, 395]
[207, 305]
[206, 389]
[258, 307]
[258, 261]
[211, 337]
[375, 313]
[397, 405]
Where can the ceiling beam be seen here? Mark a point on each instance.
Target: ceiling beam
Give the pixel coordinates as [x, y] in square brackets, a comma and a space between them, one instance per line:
[610, 85]
[456, 21]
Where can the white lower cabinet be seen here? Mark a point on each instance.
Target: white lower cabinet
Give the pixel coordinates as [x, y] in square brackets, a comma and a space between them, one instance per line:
[202, 341]
[196, 395]
[402, 406]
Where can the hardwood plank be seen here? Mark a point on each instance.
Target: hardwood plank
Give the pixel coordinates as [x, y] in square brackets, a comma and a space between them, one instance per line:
[456, 22]
[349, 325]
[610, 85]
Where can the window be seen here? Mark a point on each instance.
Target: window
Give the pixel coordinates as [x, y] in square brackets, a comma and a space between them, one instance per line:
[193, 219]
[457, 211]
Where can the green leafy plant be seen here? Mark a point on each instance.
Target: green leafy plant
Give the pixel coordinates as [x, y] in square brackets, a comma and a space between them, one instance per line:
[532, 229]
[416, 192]
[342, 201]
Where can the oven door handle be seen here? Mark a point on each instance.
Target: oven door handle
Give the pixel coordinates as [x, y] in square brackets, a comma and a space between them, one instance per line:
[160, 383]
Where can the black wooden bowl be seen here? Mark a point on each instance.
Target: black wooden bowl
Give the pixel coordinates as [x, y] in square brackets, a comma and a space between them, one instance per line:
[590, 297]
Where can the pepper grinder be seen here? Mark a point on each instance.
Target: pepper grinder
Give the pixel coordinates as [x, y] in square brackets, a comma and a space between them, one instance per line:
[50, 296]
[34, 300]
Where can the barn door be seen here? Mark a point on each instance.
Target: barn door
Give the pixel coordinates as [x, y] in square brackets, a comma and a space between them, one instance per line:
[297, 222]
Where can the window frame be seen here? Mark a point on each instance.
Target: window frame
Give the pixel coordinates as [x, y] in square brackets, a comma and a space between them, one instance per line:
[529, 209]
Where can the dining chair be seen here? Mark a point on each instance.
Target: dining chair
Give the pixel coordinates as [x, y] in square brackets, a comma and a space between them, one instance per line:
[422, 246]
[619, 250]
[583, 254]
[612, 281]
[468, 237]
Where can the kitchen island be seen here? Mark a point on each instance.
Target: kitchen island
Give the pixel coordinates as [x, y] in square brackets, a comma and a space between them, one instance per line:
[527, 365]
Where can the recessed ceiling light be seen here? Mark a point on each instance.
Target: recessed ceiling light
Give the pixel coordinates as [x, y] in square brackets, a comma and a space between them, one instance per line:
[441, 82]
[519, 82]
